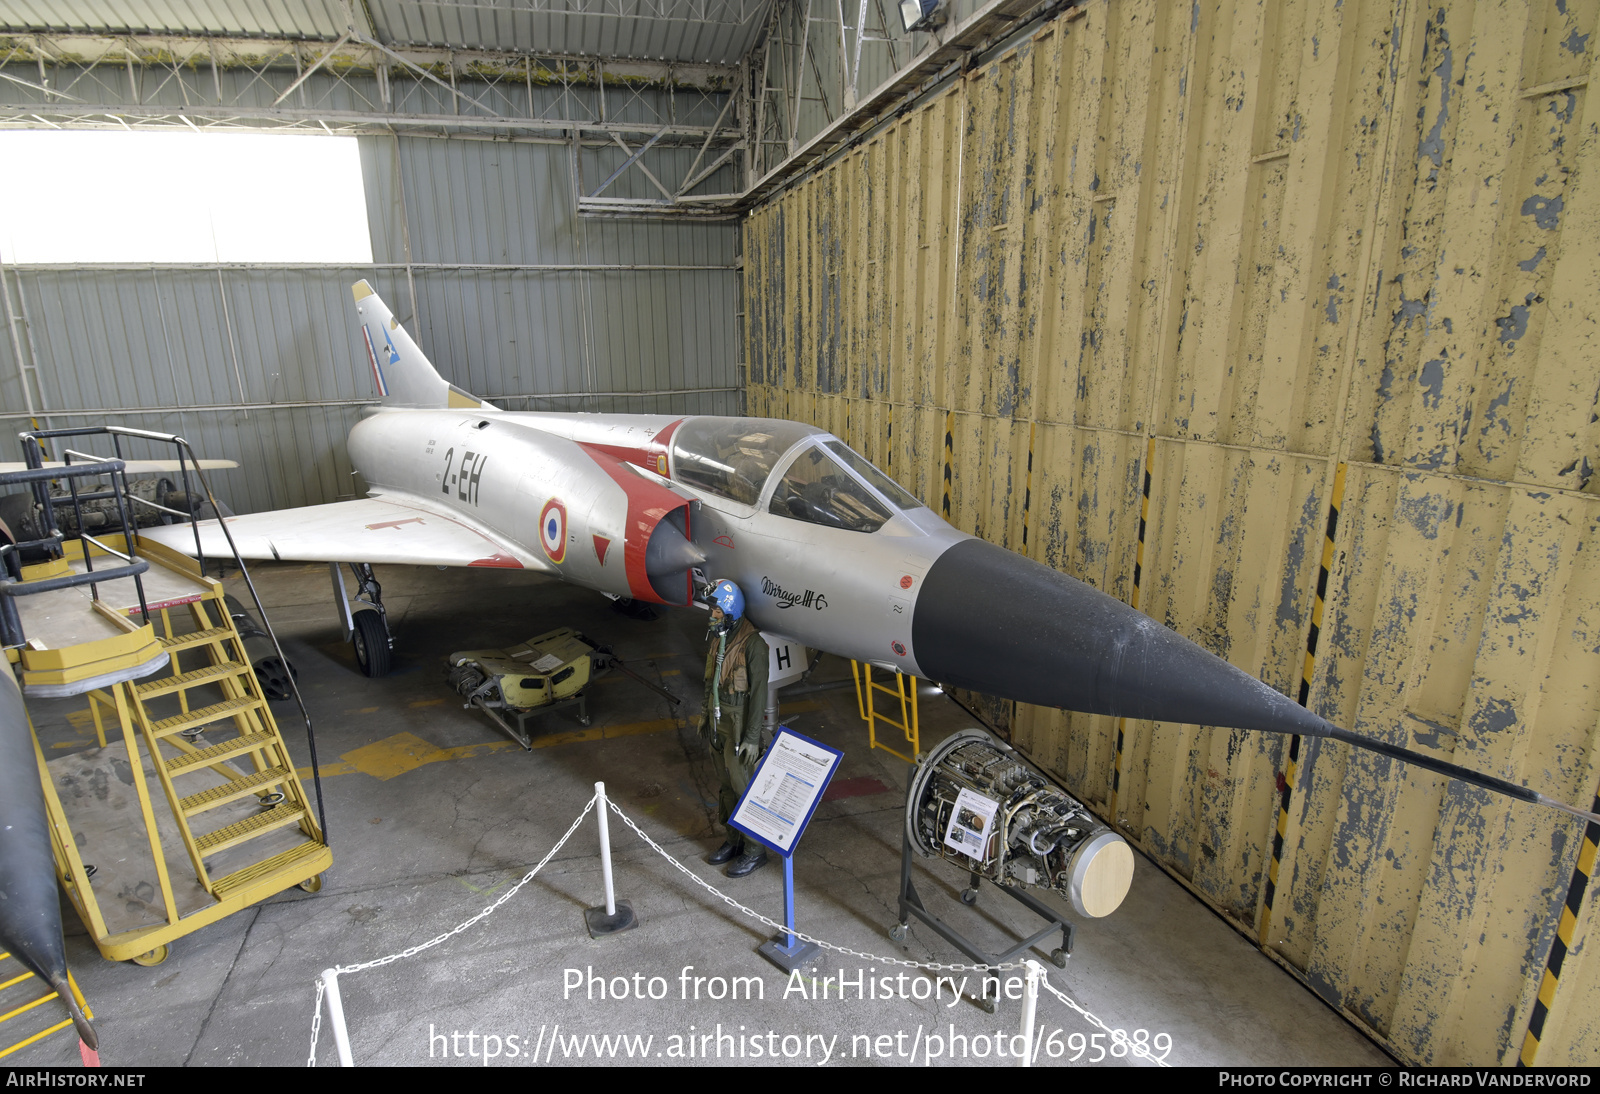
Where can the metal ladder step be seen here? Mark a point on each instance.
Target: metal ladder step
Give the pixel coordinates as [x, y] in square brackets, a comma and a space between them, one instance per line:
[227, 792]
[205, 757]
[196, 638]
[203, 716]
[266, 821]
[222, 886]
[190, 679]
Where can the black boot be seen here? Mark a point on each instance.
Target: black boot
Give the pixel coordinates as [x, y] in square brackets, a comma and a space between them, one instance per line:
[730, 847]
[748, 863]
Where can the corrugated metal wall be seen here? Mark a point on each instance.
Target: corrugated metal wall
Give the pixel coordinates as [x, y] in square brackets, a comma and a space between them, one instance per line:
[519, 300]
[1294, 260]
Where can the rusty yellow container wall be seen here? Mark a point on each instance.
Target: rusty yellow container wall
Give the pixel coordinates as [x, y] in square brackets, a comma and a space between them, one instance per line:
[1245, 243]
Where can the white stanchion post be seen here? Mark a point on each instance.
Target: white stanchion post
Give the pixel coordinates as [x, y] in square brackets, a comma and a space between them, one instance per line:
[1030, 1008]
[605, 847]
[341, 1036]
[617, 915]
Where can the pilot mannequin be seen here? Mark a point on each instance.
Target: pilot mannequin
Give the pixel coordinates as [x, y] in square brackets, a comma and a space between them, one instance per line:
[730, 723]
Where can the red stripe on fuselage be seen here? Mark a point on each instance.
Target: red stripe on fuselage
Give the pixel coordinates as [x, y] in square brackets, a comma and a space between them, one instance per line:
[644, 455]
[648, 506]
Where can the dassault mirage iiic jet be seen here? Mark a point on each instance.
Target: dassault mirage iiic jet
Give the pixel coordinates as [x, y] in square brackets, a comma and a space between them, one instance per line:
[831, 553]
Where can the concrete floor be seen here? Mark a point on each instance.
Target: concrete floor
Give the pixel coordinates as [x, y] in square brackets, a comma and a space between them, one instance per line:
[433, 815]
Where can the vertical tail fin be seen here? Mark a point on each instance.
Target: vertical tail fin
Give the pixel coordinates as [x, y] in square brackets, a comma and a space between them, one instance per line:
[401, 371]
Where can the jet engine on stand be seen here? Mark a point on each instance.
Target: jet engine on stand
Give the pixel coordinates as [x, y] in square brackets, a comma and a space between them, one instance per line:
[975, 802]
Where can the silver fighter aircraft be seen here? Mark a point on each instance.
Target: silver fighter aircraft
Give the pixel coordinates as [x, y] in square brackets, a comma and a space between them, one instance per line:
[831, 553]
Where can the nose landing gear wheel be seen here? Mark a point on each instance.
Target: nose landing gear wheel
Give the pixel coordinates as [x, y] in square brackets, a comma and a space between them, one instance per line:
[371, 642]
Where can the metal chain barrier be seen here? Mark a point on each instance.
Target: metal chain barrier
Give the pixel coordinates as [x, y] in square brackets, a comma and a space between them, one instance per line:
[753, 914]
[316, 1020]
[1135, 1048]
[316, 1023]
[511, 892]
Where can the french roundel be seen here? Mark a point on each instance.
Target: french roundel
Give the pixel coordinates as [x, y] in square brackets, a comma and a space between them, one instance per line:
[553, 530]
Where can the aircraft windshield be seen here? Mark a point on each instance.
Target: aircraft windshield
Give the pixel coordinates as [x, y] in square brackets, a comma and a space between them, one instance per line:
[817, 490]
[897, 494]
[732, 457]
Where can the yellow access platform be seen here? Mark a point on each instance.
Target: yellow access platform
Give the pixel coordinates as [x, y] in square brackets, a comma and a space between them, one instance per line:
[190, 809]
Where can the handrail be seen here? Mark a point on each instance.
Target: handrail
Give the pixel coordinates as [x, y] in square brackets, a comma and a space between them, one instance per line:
[37, 476]
[33, 453]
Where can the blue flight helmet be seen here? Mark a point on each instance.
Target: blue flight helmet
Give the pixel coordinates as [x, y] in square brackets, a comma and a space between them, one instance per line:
[726, 595]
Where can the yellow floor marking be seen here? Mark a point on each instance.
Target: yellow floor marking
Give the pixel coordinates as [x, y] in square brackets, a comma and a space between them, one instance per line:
[416, 703]
[405, 752]
[78, 719]
[620, 676]
[393, 756]
[339, 768]
[485, 891]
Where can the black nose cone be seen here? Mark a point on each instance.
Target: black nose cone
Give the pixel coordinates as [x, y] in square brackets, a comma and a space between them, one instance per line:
[995, 622]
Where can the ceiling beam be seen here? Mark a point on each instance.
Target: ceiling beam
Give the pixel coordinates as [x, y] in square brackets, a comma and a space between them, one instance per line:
[351, 53]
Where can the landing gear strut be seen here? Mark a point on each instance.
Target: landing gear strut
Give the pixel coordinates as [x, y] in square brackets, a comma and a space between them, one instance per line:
[367, 628]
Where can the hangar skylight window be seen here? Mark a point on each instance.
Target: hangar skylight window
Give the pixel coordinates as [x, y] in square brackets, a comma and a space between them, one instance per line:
[98, 197]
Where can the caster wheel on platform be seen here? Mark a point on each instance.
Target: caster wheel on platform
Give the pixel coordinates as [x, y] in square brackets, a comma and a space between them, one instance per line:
[987, 1005]
[897, 933]
[312, 884]
[969, 896]
[154, 957]
[1059, 958]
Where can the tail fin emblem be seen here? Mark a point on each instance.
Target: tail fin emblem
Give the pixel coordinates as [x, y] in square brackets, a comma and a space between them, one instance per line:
[377, 370]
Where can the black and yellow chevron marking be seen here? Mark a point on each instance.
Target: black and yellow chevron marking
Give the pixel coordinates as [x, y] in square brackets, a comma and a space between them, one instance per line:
[1144, 520]
[1027, 489]
[1563, 941]
[949, 456]
[888, 417]
[1291, 769]
[1138, 575]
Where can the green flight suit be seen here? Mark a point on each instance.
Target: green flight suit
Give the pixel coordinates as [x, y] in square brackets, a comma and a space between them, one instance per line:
[741, 713]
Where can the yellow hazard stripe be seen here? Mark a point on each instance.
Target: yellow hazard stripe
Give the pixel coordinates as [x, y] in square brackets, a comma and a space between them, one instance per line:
[1308, 669]
[1566, 929]
[949, 456]
[1027, 488]
[1138, 578]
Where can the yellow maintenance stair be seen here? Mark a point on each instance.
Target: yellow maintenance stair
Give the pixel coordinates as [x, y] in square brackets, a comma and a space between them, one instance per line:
[190, 809]
[237, 806]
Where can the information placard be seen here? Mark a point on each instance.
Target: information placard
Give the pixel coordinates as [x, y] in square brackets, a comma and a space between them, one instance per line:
[787, 786]
[970, 820]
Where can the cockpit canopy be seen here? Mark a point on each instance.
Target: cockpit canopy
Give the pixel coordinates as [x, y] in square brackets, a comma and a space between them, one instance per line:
[826, 483]
[732, 457]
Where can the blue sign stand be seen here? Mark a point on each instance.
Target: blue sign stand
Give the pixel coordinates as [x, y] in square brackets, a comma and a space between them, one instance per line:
[791, 954]
[791, 792]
